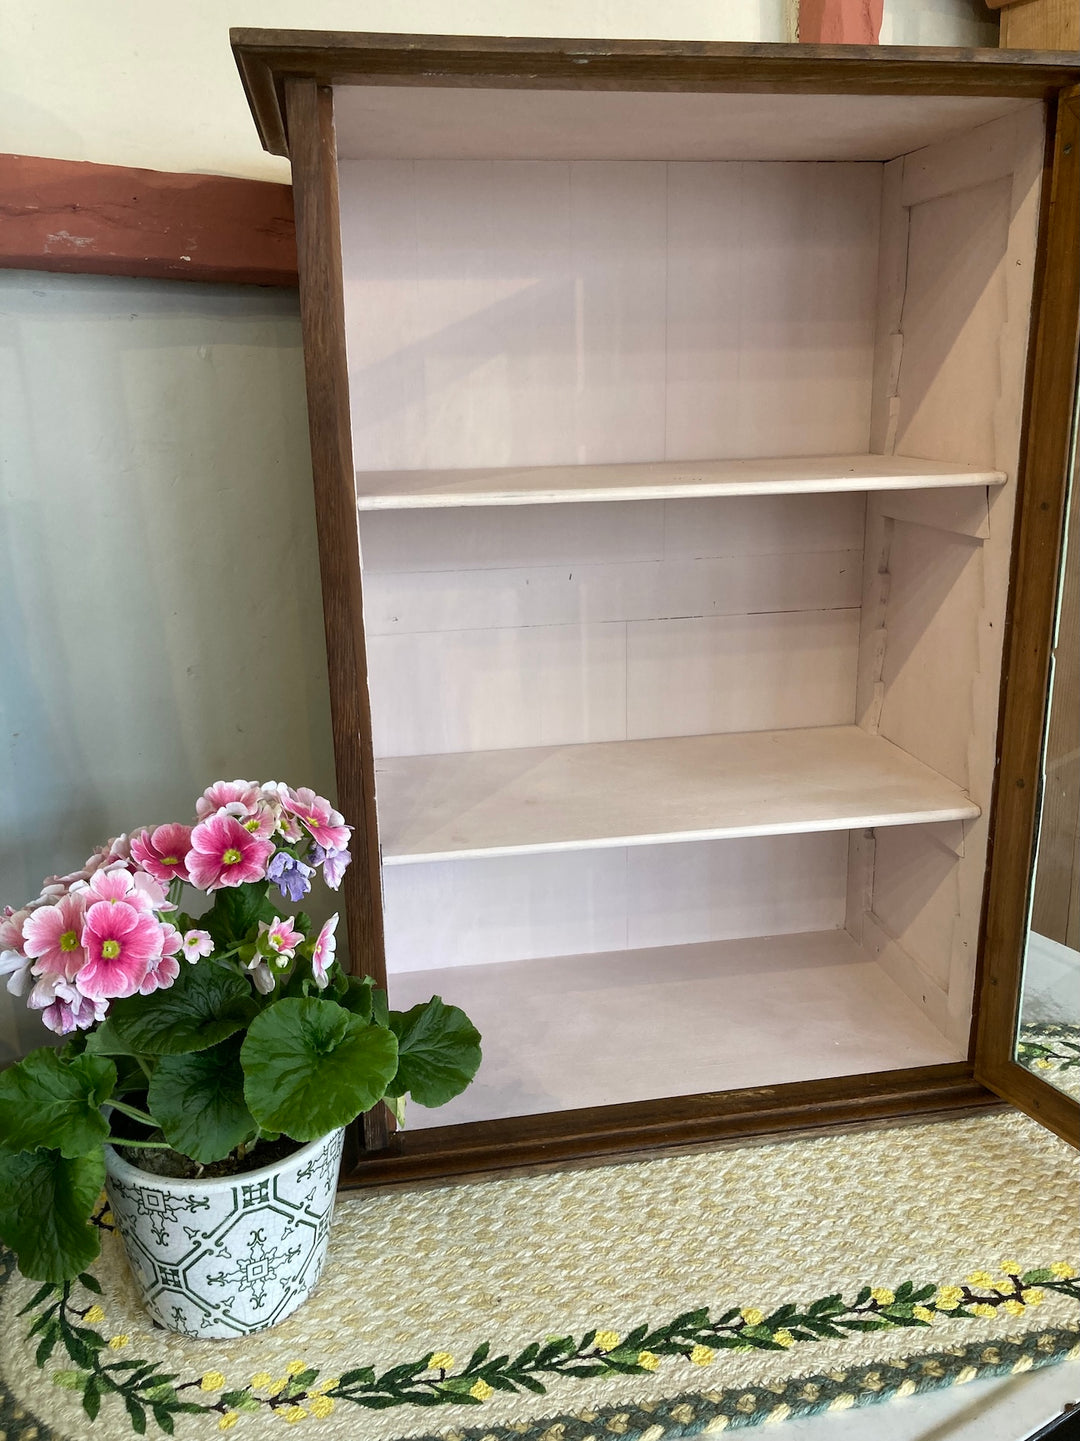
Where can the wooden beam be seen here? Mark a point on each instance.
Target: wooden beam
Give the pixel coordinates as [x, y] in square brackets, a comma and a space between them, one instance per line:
[73, 216]
[840, 22]
[1039, 24]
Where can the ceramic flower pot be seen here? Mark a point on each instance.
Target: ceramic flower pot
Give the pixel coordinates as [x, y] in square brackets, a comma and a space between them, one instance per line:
[232, 1256]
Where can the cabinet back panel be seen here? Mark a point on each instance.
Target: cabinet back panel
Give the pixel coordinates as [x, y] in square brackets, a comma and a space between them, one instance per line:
[510, 908]
[560, 312]
[675, 618]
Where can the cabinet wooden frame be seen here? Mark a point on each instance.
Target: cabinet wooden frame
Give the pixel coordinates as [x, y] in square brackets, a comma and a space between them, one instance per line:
[289, 79]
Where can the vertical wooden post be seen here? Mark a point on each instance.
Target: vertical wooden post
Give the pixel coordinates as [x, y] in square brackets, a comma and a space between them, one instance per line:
[840, 22]
[313, 149]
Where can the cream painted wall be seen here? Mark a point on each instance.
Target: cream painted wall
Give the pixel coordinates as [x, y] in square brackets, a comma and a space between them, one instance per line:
[136, 83]
[160, 622]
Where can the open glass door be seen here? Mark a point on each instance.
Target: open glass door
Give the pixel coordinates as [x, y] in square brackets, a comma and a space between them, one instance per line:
[1028, 1048]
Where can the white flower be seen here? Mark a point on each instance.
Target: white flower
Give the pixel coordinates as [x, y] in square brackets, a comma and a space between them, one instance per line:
[263, 977]
[196, 944]
[17, 970]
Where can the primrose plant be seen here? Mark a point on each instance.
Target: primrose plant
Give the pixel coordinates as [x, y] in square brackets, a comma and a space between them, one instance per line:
[206, 1035]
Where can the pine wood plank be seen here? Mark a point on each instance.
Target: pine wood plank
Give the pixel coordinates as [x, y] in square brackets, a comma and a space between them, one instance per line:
[649, 792]
[660, 480]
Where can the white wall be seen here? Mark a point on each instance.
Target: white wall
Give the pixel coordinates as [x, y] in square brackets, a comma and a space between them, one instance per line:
[160, 622]
[134, 82]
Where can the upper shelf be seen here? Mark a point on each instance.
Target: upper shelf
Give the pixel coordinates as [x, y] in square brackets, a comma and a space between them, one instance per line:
[658, 480]
[650, 792]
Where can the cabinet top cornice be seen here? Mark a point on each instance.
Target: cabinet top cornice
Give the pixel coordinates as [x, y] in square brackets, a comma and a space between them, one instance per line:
[267, 59]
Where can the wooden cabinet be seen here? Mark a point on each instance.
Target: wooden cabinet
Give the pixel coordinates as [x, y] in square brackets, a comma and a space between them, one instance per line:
[679, 415]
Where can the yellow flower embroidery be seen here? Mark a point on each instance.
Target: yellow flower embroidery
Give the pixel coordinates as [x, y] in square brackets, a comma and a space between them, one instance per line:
[295, 1367]
[982, 1309]
[1011, 1268]
[1042, 1064]
[752, 1316]
[261, 1379]
[94, 1315]
[980, 1278]
[1032, 1297]
[228, 1421]
[321, 1407]
[948, 1298]
[1062, 1271]
[441, 1361]
[606, 1340]
[783, 1338]
[702, 1355]
[327, 1385]
[295, 1414]
[117, 1343]
[1014, 1308]
[922, 1313]
[883, 1296]
[481, 1390]
[648, 1360]
[277, 1385]
[212, 1381]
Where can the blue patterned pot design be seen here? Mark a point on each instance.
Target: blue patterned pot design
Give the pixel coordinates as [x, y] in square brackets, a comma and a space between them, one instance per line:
[231, 1256]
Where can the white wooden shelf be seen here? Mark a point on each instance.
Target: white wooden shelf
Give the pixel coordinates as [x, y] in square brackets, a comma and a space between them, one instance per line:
[590, 1030]
[659, 480]
[648, 792]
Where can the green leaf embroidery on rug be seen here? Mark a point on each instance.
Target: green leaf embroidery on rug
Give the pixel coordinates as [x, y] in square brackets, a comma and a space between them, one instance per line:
[436, 1379]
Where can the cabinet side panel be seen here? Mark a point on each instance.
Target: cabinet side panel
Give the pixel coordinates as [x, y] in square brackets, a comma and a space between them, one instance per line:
[311, 124]
[952, 351]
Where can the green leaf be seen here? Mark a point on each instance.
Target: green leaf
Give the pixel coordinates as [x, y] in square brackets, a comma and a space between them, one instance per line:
[36, 1299]
[204, 1005]
[91, 1398]
[235, 912]
[91, 1282]
[355, 995]
[310, 1066]
[438, 1052]
[49, 1102]
[45, 1208]
[198, 1101]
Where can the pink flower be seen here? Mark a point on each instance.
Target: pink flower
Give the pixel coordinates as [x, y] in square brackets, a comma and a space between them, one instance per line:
[223, 853]
[118, 849]
[196, 944]
[278, 938]
[162, 851]
[161, 973]
[53, 936]
[244, 794]
[11, 928]
[121, 942]
[322, 957]
[134, 889]
[319, 817]
[70, 1011]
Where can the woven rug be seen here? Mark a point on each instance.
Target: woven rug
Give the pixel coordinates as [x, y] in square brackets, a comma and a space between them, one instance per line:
[1052, 1050]
[690, 1295]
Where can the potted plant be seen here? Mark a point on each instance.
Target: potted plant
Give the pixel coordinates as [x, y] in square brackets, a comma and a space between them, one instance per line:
[210, 1062]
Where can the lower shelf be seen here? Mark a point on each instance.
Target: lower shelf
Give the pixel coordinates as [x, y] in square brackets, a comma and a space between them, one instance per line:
[597, 1030]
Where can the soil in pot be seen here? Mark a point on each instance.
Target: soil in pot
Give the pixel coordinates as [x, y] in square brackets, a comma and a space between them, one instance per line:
[181, 1168]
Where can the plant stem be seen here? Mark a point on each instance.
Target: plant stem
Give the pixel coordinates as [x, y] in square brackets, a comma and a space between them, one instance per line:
[134, 1113]
[142, 1145]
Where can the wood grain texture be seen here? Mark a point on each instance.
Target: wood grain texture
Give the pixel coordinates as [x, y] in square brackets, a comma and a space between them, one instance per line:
[1055, 909]
[650, 1128]
[1029, 634]
[311, 112]
[840, 22]
[77, 217]
[267, 57]
[1040, 24]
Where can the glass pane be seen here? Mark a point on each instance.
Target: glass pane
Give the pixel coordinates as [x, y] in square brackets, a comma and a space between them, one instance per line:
[1048, 1042]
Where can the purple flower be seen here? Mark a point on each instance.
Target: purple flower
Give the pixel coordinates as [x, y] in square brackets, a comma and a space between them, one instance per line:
[290, 875]
[333, 864]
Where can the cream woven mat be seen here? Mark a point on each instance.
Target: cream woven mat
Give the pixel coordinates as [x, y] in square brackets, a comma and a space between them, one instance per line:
[667, 1298]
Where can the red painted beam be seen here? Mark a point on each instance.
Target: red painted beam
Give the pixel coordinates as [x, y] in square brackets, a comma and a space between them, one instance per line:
[840, 22]
[73, 216]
